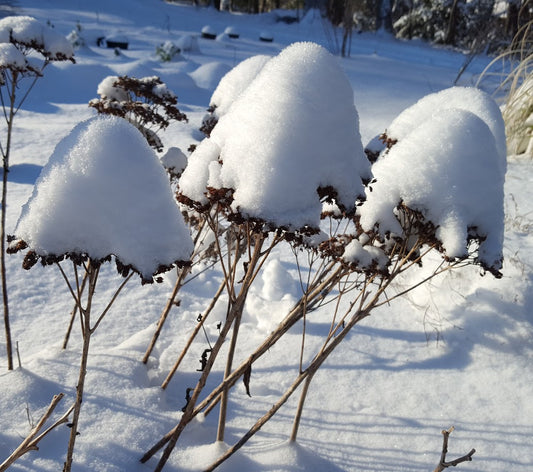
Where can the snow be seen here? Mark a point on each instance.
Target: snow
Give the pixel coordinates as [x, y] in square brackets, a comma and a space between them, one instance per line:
[449, 168]
[275, 170]
[28, 31]
[456, 351]
[235, 82]
[11, 57]
[463, 98]
[103, 192]
[174, 160]
[107, 89]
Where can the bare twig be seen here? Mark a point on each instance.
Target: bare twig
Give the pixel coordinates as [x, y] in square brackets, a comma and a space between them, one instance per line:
[443, 464]
[32, 440]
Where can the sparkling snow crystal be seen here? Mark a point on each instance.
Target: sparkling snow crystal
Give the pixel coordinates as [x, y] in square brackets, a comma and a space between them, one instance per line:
[104, 192]
[293, 131]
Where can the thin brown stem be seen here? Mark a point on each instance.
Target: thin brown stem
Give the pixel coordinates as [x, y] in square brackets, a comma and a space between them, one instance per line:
[170, 303]
[31, 442]
[87, 332]
[193, 335]
[443, 464]
[73, 313]
[3, 271]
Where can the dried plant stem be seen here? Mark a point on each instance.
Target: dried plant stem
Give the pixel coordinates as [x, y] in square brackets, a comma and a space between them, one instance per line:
[442, 463]
[318, 293]
[260, 423]
[180, 281]
[170, 303]
[235, 310]
[255, 260]
[31, 441]
[10, 116]
[92, 270]
[306, 374]
[193, 335]
[73, 314]
[299, 410]
[85, 313]
[171, 438]
[321, 286]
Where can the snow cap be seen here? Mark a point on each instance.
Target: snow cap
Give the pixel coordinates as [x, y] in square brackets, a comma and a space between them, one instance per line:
[449, 168]
[235, 82]
[28, 31]
[464, 98]
[293, 131]
[102, 193]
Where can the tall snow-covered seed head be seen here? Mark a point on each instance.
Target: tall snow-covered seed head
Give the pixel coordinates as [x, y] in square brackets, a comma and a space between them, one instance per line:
[449, 169]
[235, 82]
[465, 98]
[294, 130]
[102, 193]
[27, 32]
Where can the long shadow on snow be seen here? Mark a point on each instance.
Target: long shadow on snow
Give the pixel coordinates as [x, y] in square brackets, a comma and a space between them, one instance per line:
[23, 173]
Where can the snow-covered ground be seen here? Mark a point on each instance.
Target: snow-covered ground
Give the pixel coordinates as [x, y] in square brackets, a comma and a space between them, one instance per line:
[457, 351]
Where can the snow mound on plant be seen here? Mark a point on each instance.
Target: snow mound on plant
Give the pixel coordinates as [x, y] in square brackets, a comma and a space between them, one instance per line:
[235, 82]
[294, 130]
[448, 168]
[30, 32]
[104, 192]
[464, 98]
[11, 57]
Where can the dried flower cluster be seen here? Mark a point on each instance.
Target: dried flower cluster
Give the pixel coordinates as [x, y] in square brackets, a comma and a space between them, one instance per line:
[145, 102]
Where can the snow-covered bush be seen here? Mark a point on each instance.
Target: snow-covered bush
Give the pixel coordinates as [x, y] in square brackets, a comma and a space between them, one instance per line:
[167, 51]
[102, 195]
[440, 21]
[285, 163]
[174, 161]
[76, 38]
[188, 43]
[259, 169]
[26, 48]
[455, 181]
[146, 102]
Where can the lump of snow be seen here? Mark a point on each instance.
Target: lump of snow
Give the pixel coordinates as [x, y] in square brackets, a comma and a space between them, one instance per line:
[208, 32]
[464, 98]
[104, 192]
[277, 281]
[232, 32]
[11, 57]
[266, 36]
[292, 132]
[188, 43]
[107, 89]
[174, 160]
[449, 168]
[235, 82]
[364, 257]
[27, 31]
